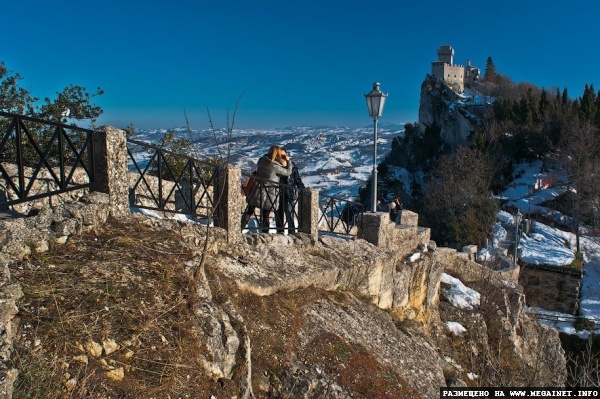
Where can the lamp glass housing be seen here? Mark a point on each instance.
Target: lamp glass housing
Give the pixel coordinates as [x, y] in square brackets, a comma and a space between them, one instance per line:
[375, 101]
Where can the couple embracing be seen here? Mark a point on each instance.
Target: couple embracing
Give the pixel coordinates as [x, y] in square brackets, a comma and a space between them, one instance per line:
[274, 169]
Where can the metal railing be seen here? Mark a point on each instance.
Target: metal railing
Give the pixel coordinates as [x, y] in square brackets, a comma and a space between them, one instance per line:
[336, 215]
[169, 182]
[589, 324]
[339, 215]
[39, 158]
[264, 197]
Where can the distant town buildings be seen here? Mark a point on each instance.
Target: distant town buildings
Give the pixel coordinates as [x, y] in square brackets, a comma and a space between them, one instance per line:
[454, 76]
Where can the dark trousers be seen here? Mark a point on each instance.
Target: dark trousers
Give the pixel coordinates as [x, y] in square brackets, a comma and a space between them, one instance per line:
[285, 213]
[264, 218]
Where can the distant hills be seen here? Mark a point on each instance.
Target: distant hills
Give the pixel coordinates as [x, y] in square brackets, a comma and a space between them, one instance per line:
[335, 160]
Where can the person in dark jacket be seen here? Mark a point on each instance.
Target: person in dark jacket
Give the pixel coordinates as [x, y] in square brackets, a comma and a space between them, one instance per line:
[396, 210]
[269, 169]
[290, 186]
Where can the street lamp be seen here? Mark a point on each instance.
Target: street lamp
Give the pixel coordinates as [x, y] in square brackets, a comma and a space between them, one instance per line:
[517, 219]
[375, 103]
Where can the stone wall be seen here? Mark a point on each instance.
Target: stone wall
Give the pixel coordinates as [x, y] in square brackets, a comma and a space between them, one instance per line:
[403, 239]
[552, 288]
[459, 265]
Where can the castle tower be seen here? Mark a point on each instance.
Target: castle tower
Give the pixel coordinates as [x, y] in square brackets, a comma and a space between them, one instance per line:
[446, 54]
[444, 70]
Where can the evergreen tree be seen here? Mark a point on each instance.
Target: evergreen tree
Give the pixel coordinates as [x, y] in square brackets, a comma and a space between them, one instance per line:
[544, 104]
[490, 71]
[597, 117]
[565, 99]
[532, 104]
[588, 104]
[504, 109]
[525, 111]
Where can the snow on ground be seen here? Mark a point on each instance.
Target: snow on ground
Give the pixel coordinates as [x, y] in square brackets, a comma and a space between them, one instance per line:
[459, 295]
[456, 328]
[589, 304]
[174, 216]
[546, 245]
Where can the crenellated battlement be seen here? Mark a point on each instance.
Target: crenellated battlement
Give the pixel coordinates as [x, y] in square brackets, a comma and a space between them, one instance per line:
[452, 74]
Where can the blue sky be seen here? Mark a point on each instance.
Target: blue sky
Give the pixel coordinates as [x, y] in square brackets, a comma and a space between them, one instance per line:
[297, 63]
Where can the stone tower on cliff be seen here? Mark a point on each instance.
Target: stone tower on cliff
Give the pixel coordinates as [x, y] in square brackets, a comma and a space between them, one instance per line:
[443, 69]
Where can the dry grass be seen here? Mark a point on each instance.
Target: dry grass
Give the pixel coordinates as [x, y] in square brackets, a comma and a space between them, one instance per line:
[125, 284]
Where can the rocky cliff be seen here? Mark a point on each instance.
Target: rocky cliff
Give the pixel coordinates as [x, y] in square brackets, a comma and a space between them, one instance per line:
[455, 115]
[149, 307]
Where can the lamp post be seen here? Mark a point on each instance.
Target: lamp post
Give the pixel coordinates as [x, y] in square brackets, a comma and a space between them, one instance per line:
[517, 219]
[375, 102]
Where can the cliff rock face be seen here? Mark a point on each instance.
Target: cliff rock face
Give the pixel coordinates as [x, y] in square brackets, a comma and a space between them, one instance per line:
[270, 316]
[440, 106]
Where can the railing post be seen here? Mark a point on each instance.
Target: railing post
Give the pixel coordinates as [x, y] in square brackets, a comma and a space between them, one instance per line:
[110, 168]
[227, 198]
[309, 213]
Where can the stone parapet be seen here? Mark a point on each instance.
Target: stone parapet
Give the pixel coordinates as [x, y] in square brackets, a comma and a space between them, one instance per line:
[409, 218]
[228, 201]
[375, 228]
[459, 265]
[401, 239]
[308, 213]
[110, 168]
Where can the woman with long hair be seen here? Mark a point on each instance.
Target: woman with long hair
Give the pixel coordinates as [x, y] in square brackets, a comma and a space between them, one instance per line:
[269, 169]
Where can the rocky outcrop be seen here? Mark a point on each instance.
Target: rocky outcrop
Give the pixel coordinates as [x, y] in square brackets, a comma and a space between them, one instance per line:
[410, 356]
[267, 264]
[440, 106]
[21, 235]
[345, 306]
